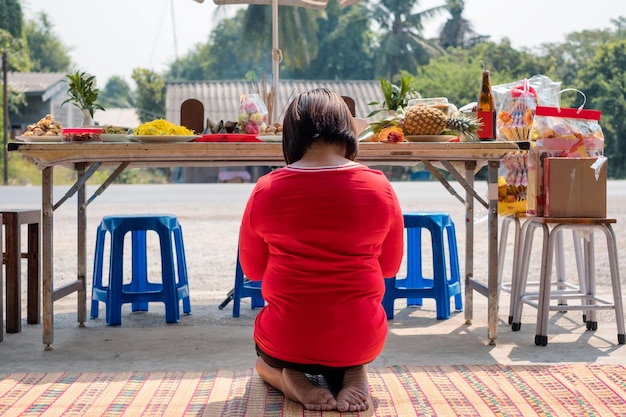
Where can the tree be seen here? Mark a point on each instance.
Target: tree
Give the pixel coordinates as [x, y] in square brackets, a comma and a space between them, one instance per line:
[345, 47]
[225, 56]
[116, 93]
[502, 58]
[604, 85]
[401, 45]
[47, 53]
[457, 31]
[150, 94]
[14, 52]
[457, 74]
[567, 58]
[11, 35]
[297, 33]
[11, 17]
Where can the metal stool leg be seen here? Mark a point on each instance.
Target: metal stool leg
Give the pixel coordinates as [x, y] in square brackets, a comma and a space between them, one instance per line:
[589, 281]
[504, 235]
[615, 283]
[517, 249]
[521, 277]
[549, 244]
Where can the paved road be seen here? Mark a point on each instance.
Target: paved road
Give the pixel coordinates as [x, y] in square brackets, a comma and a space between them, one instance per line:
[212, 339]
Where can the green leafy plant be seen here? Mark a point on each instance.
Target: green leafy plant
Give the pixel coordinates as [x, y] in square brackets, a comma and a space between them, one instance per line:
[83, 92]
[396, 96]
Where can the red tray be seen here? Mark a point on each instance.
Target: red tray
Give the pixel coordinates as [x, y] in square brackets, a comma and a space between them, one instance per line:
[228, 137]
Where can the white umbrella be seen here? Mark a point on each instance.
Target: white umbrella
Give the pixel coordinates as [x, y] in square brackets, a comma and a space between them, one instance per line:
[277, 54]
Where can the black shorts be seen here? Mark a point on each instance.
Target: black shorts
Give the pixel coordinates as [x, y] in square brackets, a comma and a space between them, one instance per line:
[333, 374]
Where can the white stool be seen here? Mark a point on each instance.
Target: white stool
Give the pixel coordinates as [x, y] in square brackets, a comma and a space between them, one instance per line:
[513, 287]
[583, 229]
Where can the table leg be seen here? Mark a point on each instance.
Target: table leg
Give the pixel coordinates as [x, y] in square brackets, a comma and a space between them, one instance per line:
[493, 252]
[81, 215]
[1, 288]
[470, 167]
[46, 255]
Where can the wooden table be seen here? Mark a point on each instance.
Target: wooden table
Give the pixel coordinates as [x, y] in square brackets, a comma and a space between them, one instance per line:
[460, 159]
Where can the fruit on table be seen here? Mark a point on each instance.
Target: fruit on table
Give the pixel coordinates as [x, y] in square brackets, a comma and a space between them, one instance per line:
[427, 120]
[46, 126]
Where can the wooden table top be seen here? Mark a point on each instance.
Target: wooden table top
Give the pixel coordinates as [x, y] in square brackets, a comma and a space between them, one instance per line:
[248, 153]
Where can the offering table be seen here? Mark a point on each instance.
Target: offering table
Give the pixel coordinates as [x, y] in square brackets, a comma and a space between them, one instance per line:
[460, 159]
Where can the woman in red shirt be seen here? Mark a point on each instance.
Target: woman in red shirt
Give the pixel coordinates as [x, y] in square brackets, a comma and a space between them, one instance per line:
[321, 233]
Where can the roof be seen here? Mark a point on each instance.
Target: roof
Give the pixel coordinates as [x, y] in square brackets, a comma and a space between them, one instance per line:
[31, 83]
[221, 98]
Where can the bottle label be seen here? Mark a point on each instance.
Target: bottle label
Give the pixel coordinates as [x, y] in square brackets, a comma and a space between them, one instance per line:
[488, 130]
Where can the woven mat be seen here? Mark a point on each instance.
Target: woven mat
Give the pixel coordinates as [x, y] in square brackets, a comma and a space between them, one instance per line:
[558, 390]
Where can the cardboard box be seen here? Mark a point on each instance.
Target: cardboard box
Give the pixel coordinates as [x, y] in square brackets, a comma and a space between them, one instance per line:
[571, 188]
[538, 153]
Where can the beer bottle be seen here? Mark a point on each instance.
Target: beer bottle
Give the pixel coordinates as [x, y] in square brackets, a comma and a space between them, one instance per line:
[486, 110]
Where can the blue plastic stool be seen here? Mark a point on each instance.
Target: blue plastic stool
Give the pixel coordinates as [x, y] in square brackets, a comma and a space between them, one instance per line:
[140, 291]
[415, 286]
[245, 288]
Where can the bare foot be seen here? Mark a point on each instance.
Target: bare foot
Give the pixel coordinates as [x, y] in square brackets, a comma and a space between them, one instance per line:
[354, 393]
[297, 387]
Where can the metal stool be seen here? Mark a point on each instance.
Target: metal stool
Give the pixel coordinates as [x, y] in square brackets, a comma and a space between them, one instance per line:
[12, 221]
[174, 284]
[518, 220]
[584, 229]
[415, 286]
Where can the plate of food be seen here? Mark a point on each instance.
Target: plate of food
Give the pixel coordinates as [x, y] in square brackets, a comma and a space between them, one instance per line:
[39, 139]
[115, 133]
[162, 138]
[430, 138]
[270, 138]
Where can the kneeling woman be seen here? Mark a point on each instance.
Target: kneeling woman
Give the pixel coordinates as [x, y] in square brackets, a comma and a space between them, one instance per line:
[322, 233]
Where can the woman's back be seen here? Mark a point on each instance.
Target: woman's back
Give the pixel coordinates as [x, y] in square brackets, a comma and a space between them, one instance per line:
[325, 229]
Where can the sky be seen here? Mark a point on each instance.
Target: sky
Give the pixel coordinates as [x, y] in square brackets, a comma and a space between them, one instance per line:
[112, 37]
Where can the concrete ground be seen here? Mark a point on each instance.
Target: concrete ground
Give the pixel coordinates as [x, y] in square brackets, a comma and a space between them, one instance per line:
[212, 339]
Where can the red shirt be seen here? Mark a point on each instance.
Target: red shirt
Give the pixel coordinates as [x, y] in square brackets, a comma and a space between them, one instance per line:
[322, 240]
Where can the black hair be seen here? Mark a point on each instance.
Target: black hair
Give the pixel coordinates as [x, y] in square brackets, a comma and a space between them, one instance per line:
[317, 115]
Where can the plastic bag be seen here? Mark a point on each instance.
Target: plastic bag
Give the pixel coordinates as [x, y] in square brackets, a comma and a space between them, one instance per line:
[512, 183]
[574, 131]
[560, 132]
[516, 166]
[253, 115]
[516, 103]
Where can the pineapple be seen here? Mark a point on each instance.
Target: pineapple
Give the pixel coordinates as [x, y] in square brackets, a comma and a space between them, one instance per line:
[425, 120]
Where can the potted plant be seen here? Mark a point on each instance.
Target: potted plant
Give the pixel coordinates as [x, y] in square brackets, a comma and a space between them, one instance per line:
[83, 94]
